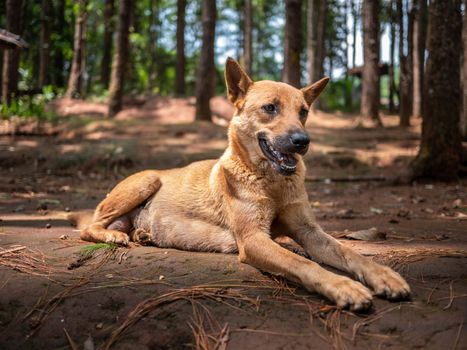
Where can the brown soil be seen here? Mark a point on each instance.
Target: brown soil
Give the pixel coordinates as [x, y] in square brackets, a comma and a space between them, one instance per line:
[187, 299]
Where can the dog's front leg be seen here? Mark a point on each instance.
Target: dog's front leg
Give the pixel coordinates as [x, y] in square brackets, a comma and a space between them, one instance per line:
[326, 249]
[257, 249]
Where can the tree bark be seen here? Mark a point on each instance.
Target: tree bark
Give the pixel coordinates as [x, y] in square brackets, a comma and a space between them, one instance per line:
[248, 37]
[311, 28]
[109, 27]
[418, 55]
[354, 31]
[205, 81]
[405, 81]
[180, 65]
[320, 40]
[44, 54]
[154, 28]
[464, 75]
[58, 59]
[292, 42]
[440, 150]
[10, 74]
[370, 75]
[117, 79]
[77, 65]
[392, 46]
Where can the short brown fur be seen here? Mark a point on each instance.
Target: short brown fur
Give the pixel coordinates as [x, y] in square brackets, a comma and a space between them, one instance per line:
[240, 202]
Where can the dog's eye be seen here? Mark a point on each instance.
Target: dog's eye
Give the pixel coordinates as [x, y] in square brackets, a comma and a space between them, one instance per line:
[270, 108]
[303, 113]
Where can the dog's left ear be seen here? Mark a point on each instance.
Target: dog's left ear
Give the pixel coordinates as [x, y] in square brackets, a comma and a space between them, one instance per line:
[311, 92]
[237, 81]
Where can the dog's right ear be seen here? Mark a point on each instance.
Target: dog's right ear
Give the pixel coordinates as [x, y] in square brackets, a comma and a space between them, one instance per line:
[237, 81]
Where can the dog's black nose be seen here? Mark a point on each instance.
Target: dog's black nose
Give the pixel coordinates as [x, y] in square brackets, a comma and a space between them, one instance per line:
[300, 140]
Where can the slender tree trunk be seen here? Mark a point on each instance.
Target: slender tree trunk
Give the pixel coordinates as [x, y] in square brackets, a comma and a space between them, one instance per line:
[311, 28]
[392, 46]
[418, 54]
[405, 84]
[109, 27]
[205, 81]
[44, 54]
[354, 31]
[117, 79]
[180, 65]
[248, 37]
[77, 67]
[152, 47]
[321, 40]
[292, 42]
[440, 149]
[10, 74]
[464, 74]
[370, 75]
[58, 59]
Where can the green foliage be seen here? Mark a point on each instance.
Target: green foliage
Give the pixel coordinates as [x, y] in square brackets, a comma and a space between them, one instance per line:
[92, 248]
[340, 95]
[30, 107]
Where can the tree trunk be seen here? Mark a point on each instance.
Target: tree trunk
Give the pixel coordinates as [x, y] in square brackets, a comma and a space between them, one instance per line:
[320, 40]
[405, 84]
[440, 149]
[392, 46]
[58, 59]
[464, 74]
[120, 58]
[354, 31]
[180, 65]
[292, 42]
[370, 75]
[77, 65]
[205, 80]
[311, 43]
[418, 55]
[109, 27]
[154, 28]
[248, 37]
[10, 74]
[44, 54]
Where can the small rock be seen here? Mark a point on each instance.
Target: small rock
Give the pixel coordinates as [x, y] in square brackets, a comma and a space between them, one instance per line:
[48, 225]
[100, 325]
[63, 237]
[457, 203]
[109, 275]
[441, 237]
[345, 214]
[67, 209]
[161, 277]
[376, 211]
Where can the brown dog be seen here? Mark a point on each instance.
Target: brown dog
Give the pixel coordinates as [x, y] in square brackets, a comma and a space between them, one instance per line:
[242, 201]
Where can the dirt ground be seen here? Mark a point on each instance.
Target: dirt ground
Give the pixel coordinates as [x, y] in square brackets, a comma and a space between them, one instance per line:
[57, 292]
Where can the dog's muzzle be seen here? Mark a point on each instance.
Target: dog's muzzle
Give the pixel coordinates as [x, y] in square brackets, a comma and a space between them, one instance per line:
[282, 152]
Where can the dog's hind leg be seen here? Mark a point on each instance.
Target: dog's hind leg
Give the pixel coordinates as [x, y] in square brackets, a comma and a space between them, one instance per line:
[111, 222]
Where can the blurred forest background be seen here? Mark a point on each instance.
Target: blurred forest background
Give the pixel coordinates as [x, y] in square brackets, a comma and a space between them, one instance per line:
[400, 56]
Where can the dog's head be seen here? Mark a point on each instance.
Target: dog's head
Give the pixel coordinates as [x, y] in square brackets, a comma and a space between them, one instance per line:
[271, 117]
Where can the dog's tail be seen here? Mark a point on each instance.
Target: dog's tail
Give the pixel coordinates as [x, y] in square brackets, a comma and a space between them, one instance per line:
[81, 219]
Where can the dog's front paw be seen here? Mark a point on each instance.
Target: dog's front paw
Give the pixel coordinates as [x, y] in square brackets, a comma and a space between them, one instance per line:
[386, 282]
[117, 237]
[347, 293]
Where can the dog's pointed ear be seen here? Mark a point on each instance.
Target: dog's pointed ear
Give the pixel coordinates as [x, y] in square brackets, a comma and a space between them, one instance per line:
[237, 81]
[311, 92]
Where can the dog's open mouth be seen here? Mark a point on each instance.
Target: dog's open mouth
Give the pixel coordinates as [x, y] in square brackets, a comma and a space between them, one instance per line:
[284, 163]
